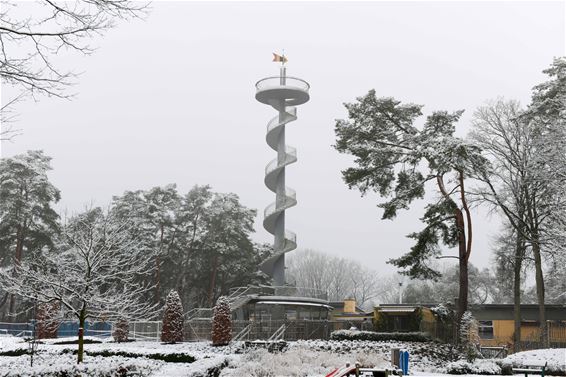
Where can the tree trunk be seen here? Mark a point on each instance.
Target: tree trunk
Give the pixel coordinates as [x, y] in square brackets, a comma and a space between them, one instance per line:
[517, 307]
[80, 352]
[212, 281]
[540, 292]
[517, 265]
[18, 259]
[463, 264]
[158, 267]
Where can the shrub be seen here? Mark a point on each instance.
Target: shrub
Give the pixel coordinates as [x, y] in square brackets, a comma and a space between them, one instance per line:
[469, 337]
[47, 323]
[76, 341]
[121, 330]
[483, 367]
[172, 331]
[222, 323]
[380, 336]
[167, 357]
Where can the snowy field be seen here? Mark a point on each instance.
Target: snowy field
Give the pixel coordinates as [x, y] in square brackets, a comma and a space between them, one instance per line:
[302, 358]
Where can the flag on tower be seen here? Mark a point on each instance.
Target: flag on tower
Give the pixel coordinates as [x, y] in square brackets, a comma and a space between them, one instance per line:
[279, 58]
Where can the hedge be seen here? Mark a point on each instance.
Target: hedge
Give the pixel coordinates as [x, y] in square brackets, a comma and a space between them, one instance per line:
[380, 336]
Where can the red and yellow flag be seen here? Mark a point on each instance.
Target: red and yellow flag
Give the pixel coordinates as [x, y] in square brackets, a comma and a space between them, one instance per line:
[279, 58]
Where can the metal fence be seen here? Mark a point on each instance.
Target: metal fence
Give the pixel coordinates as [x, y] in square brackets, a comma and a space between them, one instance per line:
[444, 332]
[200, 329]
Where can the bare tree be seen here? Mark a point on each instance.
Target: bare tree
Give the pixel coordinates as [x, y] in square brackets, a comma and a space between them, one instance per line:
[32, 35]
[339, 277]
[525, 186]
[93, 273]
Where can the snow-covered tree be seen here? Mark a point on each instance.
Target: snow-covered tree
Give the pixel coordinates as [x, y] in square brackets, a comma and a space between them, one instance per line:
[445, 290]
[396, 159]
[47, 320]
[469, 336]
[28, 223]
[200, 241]
[92, 272]
[173, 321]
[121, 330]
[527, 148]
[222, 323]
[35, 35]
[339, 277]
[154, 213]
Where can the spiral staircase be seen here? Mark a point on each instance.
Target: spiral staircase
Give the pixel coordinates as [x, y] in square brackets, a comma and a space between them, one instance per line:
[283, 94]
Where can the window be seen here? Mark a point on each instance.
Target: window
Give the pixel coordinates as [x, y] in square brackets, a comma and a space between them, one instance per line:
[485, 329]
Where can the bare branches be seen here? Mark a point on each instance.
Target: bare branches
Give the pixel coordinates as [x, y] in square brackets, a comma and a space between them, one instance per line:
[31, 37]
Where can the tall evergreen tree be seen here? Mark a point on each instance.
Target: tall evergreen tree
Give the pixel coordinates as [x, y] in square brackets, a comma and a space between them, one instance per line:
[28, 222]
[390, 158]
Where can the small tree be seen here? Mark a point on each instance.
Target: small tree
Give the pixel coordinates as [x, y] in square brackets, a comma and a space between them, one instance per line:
[222, 323]
[469, 337]
[93, 272]
[47, 321]
[172, 331]
[121, 330]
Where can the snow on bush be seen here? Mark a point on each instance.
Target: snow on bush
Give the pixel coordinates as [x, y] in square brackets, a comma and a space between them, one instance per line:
[121, 330]
[299, 361]
[222, 323]
[424, 356]
[172, 331]
[484, 367]
[65, 365]
[379, 336]
[556, 359]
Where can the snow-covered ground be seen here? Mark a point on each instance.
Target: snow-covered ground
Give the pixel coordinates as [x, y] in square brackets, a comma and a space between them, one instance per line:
[302, 358]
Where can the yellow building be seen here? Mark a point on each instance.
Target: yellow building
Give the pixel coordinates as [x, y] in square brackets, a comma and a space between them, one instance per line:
[497, 324]
[346, 314]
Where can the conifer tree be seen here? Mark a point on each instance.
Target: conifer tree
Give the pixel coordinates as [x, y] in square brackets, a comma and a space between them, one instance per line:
[172, 331]
[121, 330]
[222, 323]
[47, 322]
[396, 159]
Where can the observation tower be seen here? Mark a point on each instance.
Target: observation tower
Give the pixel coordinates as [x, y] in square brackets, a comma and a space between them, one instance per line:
[283, 94]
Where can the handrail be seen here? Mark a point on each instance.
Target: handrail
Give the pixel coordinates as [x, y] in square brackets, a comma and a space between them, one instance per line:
[287, 79]
[278, 334]
[244, 333]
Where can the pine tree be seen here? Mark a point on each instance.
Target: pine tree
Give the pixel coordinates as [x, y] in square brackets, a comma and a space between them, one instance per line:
[396, 159]
[222, 323]
[121, 330]
[172, 331]
[47, 322]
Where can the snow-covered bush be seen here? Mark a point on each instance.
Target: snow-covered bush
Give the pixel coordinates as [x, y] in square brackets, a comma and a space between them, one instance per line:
[556, 359]
[469, 336]
[380, 336]
[121, 330]
[299, 362]
[47, 320]
[442, 312]
[65, 365]
[173, 323]
[483, 367]
[222, 323]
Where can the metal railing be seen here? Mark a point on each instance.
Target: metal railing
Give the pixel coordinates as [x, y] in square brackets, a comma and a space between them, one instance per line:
[275, 81]
[288, 291]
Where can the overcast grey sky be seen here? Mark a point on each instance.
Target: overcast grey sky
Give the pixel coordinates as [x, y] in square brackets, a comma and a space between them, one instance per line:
[171, 100]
